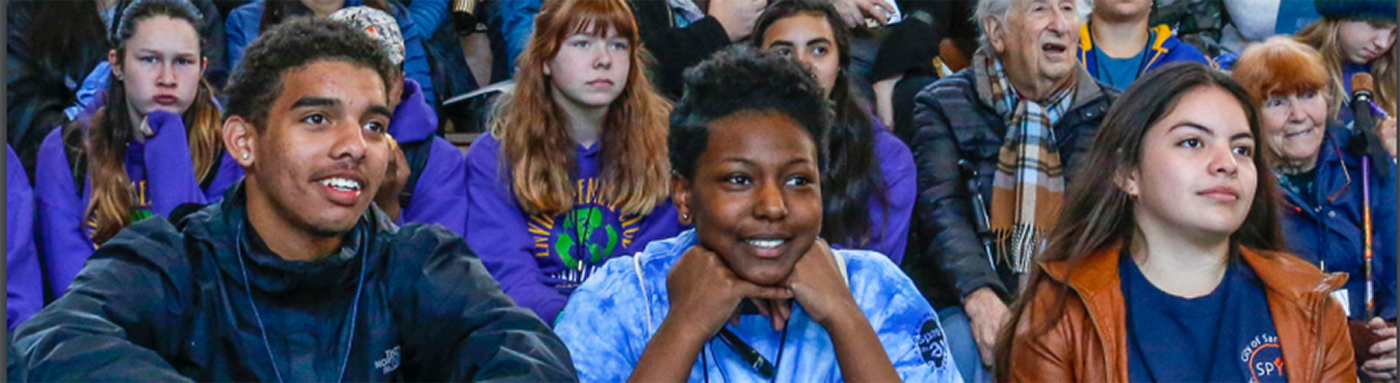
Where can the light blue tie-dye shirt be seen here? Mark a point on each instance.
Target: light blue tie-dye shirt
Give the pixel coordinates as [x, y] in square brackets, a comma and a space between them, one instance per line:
[613, 315]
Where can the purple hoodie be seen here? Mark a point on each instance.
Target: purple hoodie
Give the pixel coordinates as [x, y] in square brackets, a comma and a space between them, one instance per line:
[440, 197]
[900, 176]
[538, 260]
[24, 284]
[161, 186]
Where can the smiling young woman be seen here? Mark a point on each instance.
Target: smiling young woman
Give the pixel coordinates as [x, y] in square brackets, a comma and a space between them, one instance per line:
[746, 148]
[1170, 250]
[1323, 194]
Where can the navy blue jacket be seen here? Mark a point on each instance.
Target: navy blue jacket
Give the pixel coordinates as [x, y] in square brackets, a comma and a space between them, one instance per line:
[1330, 234]
[169, 302]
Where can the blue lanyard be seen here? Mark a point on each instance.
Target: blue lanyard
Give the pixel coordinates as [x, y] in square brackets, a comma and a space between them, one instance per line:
[354, 307]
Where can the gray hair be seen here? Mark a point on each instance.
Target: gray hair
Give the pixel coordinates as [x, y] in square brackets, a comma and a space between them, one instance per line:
[999, 9]
[990, 9]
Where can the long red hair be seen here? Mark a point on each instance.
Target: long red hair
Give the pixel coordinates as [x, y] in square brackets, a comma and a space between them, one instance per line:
[535, 140]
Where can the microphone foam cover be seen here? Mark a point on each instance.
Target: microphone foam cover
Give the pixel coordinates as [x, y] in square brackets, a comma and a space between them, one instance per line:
[1362, 82]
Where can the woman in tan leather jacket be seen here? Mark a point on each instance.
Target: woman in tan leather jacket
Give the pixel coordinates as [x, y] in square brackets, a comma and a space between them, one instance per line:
[1164, 266]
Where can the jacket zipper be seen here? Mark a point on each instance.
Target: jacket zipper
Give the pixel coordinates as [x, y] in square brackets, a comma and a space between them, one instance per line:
[1094, 320]
[1319, 308]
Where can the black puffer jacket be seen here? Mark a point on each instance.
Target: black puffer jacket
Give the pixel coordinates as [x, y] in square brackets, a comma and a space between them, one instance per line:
[957, 123]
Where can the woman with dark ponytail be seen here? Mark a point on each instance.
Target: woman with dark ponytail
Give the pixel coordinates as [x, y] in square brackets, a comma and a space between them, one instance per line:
[869, 180]
[153, 147]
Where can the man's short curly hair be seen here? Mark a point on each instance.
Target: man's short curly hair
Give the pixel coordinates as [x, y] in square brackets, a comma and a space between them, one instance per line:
[258, 80]
[741, 79]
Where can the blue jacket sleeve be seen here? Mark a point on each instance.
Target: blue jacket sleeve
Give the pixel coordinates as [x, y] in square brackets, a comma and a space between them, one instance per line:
[904, 321]
[497, 230]
[901, 179]
[90, 92]
[467, 330]
[61, 226]
[440, 197]
[240, 30]
[415, 60]
[603, 326]
[24, 285]
[169, 169]
[517, 21]
[111, 325]
[427, 16]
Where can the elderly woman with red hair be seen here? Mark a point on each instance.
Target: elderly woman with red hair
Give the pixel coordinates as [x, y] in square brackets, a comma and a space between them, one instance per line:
[1323, 189]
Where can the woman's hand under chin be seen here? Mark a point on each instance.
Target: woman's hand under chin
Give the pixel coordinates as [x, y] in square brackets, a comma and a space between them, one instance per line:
[704, 292]
[817, 284]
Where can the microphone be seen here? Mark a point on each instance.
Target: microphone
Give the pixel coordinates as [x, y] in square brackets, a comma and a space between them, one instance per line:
[1364, 141]
[1362, 88]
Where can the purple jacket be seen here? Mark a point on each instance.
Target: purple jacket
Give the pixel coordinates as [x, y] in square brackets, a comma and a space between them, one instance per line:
[540, 260]
[900, 176]
[160, 185]
[440, 197]
[24, 284]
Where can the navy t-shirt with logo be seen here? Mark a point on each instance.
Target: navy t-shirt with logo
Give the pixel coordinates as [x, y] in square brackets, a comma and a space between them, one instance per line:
[1225, 336]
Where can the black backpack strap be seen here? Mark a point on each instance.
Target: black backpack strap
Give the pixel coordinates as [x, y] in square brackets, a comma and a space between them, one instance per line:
[417, 155]
[213, 172]
[74, 151]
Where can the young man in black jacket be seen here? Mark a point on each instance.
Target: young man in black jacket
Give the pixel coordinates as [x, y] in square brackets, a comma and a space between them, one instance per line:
[294, 277]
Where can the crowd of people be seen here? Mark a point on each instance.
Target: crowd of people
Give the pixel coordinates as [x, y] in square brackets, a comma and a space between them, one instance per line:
[683, 190]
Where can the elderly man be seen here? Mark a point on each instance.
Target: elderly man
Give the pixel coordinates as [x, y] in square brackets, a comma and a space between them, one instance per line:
[993, 145]
[1117, 46]
[294, 276]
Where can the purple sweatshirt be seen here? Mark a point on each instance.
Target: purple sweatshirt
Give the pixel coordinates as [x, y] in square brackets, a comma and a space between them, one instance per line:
[540, 260]
[161, 186]
[24, 283]
[440, 197]
[900, 176]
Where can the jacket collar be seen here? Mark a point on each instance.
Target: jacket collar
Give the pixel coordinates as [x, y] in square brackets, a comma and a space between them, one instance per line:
[1282, 274]
[220, 227]
[1161, 44]
[1333, 165]
[1296, 291]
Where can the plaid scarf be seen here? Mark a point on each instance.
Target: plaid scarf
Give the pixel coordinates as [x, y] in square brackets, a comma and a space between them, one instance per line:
[1029, 181]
